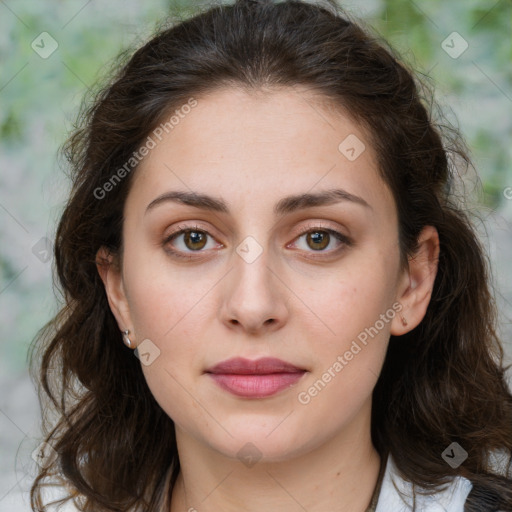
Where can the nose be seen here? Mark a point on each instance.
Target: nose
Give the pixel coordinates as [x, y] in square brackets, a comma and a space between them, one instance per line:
[255, 297]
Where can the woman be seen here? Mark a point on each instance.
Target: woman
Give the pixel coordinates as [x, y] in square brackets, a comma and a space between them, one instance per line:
[263, 211]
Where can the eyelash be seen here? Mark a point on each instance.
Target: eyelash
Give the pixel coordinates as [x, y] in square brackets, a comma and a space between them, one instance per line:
[345, 241]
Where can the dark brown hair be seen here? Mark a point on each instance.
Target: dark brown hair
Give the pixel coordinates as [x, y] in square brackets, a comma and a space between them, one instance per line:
[442, 382]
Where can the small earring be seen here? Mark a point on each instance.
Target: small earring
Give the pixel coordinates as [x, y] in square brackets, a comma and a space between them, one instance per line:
[404, 321]
[126, 340]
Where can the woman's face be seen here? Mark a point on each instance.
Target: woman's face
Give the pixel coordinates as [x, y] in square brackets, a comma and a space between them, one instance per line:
[246, 282]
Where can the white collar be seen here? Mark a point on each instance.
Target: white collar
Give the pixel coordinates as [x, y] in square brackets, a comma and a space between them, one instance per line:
[451, 499]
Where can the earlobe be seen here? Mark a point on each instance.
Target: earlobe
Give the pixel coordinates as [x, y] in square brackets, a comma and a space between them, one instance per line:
[112, 278]
[417, 283]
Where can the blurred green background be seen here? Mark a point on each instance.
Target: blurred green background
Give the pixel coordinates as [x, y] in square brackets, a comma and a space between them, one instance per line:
[39, 98]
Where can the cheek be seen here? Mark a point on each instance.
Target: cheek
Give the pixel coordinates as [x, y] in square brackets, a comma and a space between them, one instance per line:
[164, 307]
[355, 308]
[163, 298]
[352, 299]
[347, 360]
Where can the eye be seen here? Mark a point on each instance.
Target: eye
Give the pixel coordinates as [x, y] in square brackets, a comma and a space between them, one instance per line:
[192, 239]
[318, 238]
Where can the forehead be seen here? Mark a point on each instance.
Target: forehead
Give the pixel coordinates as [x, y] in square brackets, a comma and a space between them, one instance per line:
[261, 146]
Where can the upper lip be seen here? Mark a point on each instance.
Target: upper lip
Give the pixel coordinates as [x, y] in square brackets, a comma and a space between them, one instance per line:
[262, 366]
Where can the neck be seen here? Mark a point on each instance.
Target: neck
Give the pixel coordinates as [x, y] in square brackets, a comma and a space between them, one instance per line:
[339, 475]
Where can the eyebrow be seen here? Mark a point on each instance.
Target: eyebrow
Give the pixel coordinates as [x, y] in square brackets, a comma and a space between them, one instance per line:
[284, 206]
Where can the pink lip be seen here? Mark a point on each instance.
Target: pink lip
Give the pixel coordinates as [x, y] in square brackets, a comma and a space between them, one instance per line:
[255, 379]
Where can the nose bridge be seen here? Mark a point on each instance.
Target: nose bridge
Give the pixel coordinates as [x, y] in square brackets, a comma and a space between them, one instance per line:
[253, 296]
[252, 274]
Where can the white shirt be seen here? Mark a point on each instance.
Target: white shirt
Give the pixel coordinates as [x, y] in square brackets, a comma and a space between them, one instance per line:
[452, 499]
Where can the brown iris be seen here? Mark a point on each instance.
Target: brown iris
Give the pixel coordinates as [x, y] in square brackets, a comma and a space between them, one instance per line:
[197, 239]
[318, 237]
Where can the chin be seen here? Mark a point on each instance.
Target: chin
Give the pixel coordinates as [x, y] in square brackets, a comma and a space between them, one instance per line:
[260, 441]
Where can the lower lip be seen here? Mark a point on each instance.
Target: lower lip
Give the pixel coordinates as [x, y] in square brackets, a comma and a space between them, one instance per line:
[256, 386]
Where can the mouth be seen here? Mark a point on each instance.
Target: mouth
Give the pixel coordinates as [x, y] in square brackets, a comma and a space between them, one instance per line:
[255, 379]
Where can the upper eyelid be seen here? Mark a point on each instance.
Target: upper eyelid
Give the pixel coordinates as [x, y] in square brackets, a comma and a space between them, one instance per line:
[318, 225]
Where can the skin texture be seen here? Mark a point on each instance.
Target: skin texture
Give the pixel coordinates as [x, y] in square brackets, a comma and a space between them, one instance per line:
[252, 150]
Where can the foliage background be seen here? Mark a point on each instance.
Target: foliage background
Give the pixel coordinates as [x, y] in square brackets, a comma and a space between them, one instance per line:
[39, 99]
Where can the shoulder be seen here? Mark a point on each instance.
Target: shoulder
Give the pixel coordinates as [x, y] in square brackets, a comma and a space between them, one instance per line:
[399, 495]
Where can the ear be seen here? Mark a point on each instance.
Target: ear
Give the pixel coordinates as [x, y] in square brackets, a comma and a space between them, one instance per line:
[111, 275]
[417, 283]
